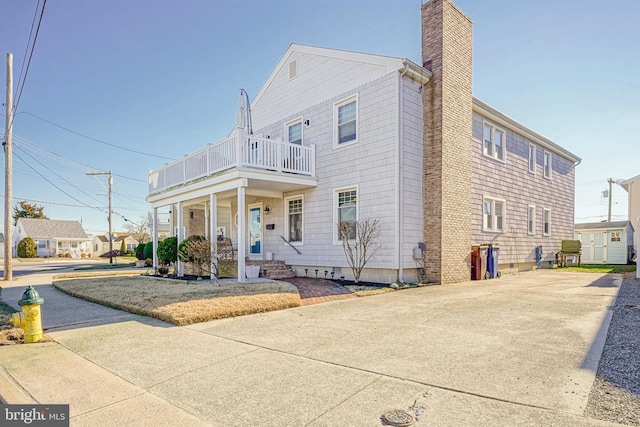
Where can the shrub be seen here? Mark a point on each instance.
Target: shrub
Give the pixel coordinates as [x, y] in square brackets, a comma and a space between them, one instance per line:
[140, 251]
[148, 251]
[197, 250]
[27, 248]
[168, 250]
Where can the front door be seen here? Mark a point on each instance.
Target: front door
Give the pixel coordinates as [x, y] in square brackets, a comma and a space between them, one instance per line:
[255, 230]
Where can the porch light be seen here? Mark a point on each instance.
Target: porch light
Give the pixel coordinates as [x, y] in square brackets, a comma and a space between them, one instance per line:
[267, 209]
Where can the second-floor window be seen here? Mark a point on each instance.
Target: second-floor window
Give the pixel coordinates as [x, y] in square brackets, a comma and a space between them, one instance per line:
[532, 158]
[547, 164]
[494, 141]
[346, 119]
[294, 132]
[493, 213]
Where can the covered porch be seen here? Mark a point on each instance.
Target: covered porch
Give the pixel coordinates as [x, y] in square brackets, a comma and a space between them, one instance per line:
[224, 191]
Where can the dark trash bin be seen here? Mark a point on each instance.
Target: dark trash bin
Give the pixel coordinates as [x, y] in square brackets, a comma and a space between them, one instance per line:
[479, 262]
[493, 255]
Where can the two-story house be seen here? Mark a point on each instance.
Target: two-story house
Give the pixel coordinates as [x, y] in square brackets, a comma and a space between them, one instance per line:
[343, 136]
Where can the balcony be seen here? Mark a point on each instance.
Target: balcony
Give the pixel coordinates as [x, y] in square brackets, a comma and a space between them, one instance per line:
[238, 152]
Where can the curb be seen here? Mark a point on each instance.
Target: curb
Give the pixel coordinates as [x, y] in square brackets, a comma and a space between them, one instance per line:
[11, 393]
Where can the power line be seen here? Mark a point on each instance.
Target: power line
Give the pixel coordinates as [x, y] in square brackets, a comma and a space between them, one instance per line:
[58, 175]
[33, 46]
[26, 48]
[44, 150]
[95, 139]
[60, 189]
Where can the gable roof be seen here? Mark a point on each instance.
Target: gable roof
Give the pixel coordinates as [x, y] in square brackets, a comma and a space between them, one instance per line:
[627, 182]
[37, 228]
[382, 64]
[506, 121]
[602, 225]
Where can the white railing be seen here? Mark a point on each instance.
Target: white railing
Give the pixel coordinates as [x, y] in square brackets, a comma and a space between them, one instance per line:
[253, 152]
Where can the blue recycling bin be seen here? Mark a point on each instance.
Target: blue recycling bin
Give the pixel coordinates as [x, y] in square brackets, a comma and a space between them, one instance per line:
[493, 255]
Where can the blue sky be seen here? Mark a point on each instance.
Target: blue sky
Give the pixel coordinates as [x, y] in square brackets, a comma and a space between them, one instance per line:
[161, 78]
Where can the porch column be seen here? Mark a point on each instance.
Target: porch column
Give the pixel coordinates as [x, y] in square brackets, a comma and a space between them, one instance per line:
[213, 225]
[154, 236]
[242, 234]
[180, 236]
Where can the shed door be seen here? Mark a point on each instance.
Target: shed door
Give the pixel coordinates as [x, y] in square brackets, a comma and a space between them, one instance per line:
[587, 247]
[600, 247]
[617, 247]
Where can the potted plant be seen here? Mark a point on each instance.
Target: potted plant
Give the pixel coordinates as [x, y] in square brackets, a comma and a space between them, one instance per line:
[140, 255]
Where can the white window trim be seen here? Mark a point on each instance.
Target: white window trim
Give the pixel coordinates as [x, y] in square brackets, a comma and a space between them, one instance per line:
[532, 154]
[544, 171]
[291, 123]
[336, 240]
[495, 128]
[531, 217]
[504, 214]
[337, 105]
[286, 219]
[544, 211]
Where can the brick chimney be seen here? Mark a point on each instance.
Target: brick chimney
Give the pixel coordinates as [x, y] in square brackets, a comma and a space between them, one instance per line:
[446, 51]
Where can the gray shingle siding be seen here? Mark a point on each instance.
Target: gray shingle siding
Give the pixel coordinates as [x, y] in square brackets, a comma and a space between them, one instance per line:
[512, 182]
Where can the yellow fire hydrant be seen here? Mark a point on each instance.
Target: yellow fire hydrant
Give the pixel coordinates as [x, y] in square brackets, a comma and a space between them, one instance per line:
[29, 319]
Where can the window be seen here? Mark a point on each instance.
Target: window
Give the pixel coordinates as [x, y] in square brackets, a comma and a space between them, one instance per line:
[293, 219]
[493, 142]
[346, 113]
[531, 220]
[615, 236]
[42, 244]
[347, 211]
[532, 158]
[547, 164]
[493, 213]
[294, 132]
[546, 222]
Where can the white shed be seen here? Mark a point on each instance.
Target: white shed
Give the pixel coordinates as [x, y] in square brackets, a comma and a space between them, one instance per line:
[605, 242]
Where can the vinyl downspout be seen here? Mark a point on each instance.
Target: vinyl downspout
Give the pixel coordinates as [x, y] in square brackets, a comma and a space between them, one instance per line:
[399, 187]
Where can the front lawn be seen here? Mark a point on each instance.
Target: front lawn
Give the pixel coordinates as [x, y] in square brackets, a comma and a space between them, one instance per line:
[602, 268]
[181, 302]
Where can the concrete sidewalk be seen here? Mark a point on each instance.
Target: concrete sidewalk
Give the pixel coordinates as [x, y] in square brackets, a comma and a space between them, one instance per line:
[521, 350]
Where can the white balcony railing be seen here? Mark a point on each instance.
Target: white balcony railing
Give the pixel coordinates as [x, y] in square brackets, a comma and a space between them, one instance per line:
[252, 152]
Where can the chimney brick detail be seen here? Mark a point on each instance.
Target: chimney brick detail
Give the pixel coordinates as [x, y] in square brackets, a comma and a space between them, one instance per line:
[446, 46]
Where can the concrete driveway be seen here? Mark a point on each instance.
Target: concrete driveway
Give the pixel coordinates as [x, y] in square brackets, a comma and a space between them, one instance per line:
[521, 350]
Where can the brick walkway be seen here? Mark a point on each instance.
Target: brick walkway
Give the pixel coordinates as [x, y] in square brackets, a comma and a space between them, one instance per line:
[316, 291]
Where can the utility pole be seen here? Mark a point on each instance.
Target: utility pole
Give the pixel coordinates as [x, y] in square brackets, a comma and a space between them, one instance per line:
[8, 165]
[610, 181]
[110, 191]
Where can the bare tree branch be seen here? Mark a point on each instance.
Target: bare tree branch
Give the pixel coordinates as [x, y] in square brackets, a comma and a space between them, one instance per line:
[359, 241]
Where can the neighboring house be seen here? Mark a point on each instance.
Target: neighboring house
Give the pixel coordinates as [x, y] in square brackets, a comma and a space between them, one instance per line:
[1, 245]
[53, 237]
[606, 242]
[163, 227]
[345, 136]
[100, 243]
[632, 185]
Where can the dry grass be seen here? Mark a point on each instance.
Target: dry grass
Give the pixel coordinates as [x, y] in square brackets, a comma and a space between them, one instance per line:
[179, 302]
